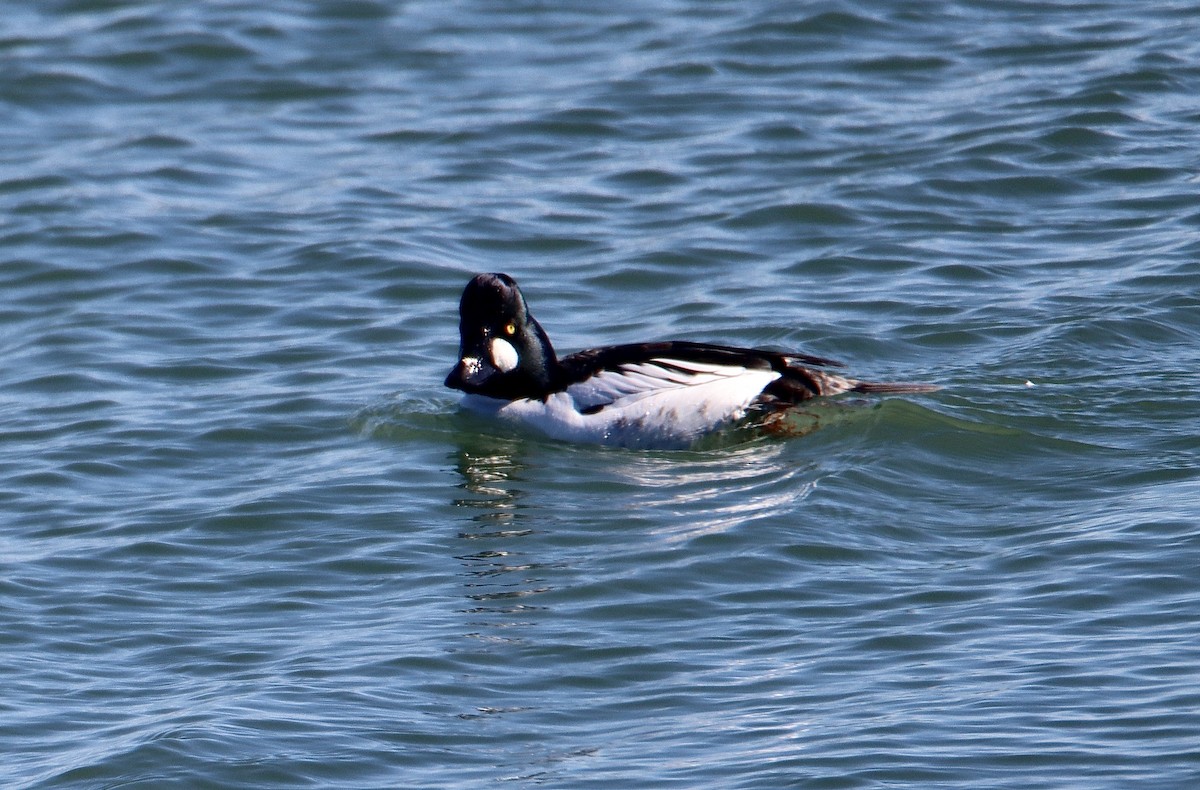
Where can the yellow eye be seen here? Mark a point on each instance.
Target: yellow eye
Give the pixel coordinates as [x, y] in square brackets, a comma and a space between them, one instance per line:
[510, 329]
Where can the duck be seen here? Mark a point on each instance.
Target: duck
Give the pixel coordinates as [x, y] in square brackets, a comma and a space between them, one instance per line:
[662, 394]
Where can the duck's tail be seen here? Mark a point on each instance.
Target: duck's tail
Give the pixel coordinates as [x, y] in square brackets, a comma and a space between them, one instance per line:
[891, 387]
[799, 383]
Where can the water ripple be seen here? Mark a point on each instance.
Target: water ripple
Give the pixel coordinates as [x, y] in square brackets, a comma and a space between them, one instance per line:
[250, 541]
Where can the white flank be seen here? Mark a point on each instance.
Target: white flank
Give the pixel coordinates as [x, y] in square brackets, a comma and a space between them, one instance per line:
[640, 405]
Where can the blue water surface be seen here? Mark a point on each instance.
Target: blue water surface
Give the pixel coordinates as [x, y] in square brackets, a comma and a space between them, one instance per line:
[249, 540]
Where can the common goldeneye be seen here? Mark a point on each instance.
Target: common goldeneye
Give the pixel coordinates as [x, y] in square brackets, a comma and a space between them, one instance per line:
[642, 395]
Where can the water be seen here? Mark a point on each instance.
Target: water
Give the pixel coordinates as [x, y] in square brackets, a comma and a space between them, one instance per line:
[248, 539]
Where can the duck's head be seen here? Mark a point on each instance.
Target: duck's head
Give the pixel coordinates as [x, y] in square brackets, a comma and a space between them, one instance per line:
[503, 352]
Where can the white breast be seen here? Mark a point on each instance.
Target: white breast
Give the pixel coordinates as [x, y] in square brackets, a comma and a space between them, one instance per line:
[660, 403]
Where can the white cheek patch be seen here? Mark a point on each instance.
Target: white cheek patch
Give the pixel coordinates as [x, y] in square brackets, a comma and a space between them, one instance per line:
[504, 356]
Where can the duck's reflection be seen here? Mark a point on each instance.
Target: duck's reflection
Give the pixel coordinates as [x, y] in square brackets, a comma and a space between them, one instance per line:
[701, 494]
[666, 498]
[490, 475]
[500, 578]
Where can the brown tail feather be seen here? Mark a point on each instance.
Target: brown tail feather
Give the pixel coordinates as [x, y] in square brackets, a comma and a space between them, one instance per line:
[798, 384]
[892, 388]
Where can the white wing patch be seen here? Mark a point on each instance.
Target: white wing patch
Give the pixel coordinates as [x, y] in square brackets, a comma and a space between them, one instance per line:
[659, 403]
[639, 380]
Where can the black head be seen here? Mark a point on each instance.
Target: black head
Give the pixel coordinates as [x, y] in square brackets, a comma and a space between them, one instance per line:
[503, 352]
